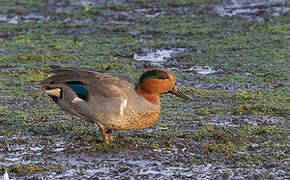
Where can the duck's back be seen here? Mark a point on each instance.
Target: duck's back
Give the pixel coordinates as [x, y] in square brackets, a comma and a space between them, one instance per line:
[101, 98]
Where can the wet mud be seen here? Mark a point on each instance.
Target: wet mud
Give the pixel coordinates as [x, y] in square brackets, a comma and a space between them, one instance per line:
[254, 10]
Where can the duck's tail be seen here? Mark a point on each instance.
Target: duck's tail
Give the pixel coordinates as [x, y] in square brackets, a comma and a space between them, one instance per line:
[41, 85]
[48, 88]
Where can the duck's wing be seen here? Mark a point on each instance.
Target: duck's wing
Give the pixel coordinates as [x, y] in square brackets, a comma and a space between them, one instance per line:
[86, 83]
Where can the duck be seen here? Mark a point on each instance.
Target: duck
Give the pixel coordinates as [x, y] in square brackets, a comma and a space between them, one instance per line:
[111, 101]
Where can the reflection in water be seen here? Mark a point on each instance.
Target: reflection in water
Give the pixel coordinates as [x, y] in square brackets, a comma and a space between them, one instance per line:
[202, 70]
[14, 20]
[157, 56]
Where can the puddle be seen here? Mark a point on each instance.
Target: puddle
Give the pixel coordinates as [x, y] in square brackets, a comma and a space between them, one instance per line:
[15, 19]
[34, 17]
[118, 22]
[82, 2]
[71, 2]
[193, 71]
[228, 121]
[153, 15]
[253, 9]
[201, 70]
[176, 162]
[166, 163]
[134, 32]
[157, 56]
[222, 121]
[236, 85]
[3, 17]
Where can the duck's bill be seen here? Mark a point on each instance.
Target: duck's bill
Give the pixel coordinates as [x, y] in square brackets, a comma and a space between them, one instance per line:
[176, 91]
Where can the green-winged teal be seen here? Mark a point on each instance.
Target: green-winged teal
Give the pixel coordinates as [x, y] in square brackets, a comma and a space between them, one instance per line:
[111, 101]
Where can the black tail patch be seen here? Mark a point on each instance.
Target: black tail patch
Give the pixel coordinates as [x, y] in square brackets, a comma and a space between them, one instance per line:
[55, 99]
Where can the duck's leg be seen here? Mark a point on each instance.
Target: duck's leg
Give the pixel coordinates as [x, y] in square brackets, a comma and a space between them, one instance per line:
[106, 137]
[109, 134]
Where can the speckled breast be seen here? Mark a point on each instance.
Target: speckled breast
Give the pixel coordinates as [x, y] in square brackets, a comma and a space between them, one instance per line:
[132, 120]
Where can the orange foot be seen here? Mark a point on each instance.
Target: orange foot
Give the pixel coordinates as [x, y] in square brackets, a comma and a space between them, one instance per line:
[106, 137]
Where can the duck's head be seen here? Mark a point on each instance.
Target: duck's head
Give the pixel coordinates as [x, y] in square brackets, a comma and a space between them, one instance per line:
[157, 81]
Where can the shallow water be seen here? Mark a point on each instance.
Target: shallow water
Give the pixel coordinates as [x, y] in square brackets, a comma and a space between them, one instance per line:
[160, 56]
[161, 163]
[15, 19]
[259, 10]
[253, 9]
[201, 70]
[236, 85]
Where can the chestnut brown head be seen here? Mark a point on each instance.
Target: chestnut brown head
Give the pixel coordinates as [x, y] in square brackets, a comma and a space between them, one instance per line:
[158, 81]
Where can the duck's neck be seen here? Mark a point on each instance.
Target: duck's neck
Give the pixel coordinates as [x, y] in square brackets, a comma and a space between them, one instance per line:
[151, 97]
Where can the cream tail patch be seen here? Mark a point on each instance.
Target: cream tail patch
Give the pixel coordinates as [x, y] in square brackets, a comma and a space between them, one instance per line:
[53, 92]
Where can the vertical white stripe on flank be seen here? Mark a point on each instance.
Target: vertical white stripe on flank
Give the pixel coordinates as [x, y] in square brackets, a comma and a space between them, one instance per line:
[123, 106]
[6, 176]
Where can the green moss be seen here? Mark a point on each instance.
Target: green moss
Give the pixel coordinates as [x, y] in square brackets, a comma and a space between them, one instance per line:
[25, 169]
[277, 28]
[21, 39]
[181, 26]
[36, 57]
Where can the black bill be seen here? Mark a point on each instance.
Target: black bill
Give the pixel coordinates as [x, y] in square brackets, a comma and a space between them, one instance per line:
[176, 91]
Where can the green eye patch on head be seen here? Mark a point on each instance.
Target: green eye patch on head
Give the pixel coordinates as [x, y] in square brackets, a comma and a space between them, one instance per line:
[154, 74]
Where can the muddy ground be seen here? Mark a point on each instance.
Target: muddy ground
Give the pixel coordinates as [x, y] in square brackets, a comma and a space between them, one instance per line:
[232, 57]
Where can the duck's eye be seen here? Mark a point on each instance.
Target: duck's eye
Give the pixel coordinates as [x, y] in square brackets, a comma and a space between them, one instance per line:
[154, 74]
